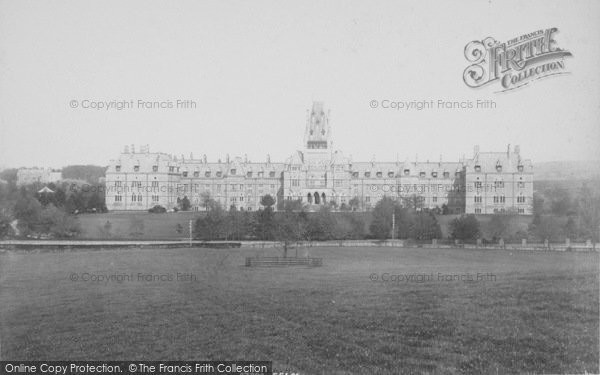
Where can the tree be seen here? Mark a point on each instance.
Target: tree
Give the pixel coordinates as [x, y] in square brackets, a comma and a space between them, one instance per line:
[445, 209]
[588, 210]
[27, 211]
[88, 173]
[354, 203]
[348, 226]
[56, 222]
[290, 228]
[465, 227]
[500, 225]
[184, 203]
[293, 205]
[207, 201]
[414, 202]
[265, 222]
[381, 226]
[571, 228]
[213, 225]
[320, 226]
[425, 226]
[267, 201]
[5, 219]
[547, 228]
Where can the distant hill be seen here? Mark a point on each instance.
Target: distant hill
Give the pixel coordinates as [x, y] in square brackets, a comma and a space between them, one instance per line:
[566, 170]
[90, 173]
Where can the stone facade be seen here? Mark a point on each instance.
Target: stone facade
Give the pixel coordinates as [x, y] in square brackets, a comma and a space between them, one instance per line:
[319, 175]
[26, 176]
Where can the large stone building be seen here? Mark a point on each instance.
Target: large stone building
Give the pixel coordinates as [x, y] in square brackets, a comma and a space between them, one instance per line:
[27, 176]
[489, 182]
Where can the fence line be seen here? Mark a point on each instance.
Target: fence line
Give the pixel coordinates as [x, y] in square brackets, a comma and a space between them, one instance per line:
[67, 244]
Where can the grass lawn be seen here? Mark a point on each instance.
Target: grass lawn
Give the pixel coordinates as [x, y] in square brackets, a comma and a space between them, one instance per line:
[538, 313]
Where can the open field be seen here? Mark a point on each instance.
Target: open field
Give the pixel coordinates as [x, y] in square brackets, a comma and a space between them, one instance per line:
[538, 313]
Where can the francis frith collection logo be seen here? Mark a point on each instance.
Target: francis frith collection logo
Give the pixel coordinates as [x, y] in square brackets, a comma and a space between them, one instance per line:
[514, 63]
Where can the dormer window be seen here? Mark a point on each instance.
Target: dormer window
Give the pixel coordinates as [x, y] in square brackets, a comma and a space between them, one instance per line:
[446, 174]
[520, 168]
[117, 168]
[457, 174]
[171, 168]
[261, 174]
[478, 168]
[196, 174]
[422, 174]
[219, 174]
[155, 168]
[498, 168]
[272, 174]
[185, 174]
[379, 174]
[367, 174]
[390, 174]
[434, 174]
[232, 172]
[406, 172]
[355, 174]
[136, 168]
[207, 174]
[249, 174]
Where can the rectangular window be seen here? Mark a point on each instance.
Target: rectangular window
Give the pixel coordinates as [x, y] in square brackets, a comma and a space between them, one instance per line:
[154, 184]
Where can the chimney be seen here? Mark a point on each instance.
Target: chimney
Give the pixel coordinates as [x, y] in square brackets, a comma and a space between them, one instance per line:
[204, 159]
[517, 149]
[475, 151]
[126, 150]
[245, 158]
[508, 151]
[268, 159]
[132, 148]
[227, 158]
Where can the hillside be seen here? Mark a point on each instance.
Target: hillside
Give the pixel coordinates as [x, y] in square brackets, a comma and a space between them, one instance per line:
[566, 170]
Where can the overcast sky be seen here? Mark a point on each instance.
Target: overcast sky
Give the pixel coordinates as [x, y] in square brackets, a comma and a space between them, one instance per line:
[254, 67]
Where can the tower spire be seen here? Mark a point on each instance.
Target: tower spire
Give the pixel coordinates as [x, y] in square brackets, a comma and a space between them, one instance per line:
[318, 132]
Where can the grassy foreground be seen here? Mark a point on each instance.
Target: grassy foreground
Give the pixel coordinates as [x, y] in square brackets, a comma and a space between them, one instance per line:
[538, 313]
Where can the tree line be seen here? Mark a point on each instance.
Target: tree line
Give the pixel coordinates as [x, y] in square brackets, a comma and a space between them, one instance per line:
[25, 211]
